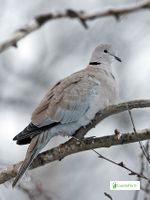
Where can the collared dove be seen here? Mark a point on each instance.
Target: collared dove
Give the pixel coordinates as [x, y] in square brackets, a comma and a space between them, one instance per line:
[70, 104]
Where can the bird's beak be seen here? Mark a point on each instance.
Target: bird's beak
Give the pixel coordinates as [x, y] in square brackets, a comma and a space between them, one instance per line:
[116, 57]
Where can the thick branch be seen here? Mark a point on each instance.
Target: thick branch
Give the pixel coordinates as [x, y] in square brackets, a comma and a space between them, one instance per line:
[63, 150]
[82, 16]
[111, 110]
[73, 146]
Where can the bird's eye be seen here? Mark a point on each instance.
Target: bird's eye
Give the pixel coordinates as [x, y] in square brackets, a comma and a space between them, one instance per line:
[105, 51]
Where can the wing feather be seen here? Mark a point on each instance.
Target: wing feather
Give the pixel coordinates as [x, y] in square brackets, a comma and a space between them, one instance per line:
[66, 102]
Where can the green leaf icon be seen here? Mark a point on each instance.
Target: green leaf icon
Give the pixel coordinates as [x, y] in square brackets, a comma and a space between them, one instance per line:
[114, 185]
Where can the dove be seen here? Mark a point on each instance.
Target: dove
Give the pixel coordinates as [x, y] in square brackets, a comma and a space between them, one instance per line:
[70, 104]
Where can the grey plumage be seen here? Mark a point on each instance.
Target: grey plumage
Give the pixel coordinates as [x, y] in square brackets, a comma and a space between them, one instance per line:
[70, 104]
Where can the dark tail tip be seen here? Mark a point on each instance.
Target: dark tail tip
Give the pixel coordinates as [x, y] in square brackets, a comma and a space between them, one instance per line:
[14, 184]
[15, 138]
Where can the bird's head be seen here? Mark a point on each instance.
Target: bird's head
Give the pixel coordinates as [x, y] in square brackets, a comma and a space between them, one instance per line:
[103, 54]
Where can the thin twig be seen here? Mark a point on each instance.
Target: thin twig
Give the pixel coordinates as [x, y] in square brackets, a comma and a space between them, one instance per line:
[120, 164]
[146, 188]
[108, 195]
[140, 143]
[136, 194]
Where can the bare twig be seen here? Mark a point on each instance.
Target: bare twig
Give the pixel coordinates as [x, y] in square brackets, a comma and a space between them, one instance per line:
[136, 194]
[82, 16]
[108, 195]
[140, 143]
[73, 146]
[120, 164]
[145, 187]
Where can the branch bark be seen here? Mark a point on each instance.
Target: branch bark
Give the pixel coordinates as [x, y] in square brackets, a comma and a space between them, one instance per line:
[73, 146]
[82, 16]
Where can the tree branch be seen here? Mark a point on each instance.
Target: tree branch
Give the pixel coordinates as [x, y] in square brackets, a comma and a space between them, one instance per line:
[82, 16]
[108, 195]
[73, 146]
[111, 110]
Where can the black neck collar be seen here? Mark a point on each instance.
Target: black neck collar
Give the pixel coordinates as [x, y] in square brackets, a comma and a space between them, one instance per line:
[94, 63]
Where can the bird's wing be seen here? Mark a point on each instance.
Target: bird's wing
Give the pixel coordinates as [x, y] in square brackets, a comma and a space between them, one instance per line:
[66, 102]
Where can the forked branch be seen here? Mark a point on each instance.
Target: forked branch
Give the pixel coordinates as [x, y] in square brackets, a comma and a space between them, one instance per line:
[74, 146]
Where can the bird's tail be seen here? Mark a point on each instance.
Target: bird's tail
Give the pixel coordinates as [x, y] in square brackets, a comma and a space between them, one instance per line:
[26, 163]
[37, 143]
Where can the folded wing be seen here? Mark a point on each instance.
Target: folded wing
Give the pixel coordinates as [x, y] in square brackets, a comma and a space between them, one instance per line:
[66, 102]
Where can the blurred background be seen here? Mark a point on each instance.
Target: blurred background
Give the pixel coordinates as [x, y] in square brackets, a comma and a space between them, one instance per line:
[51, 53]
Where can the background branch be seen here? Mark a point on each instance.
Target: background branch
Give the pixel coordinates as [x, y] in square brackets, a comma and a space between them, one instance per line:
[82, 16]
[73, 146]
